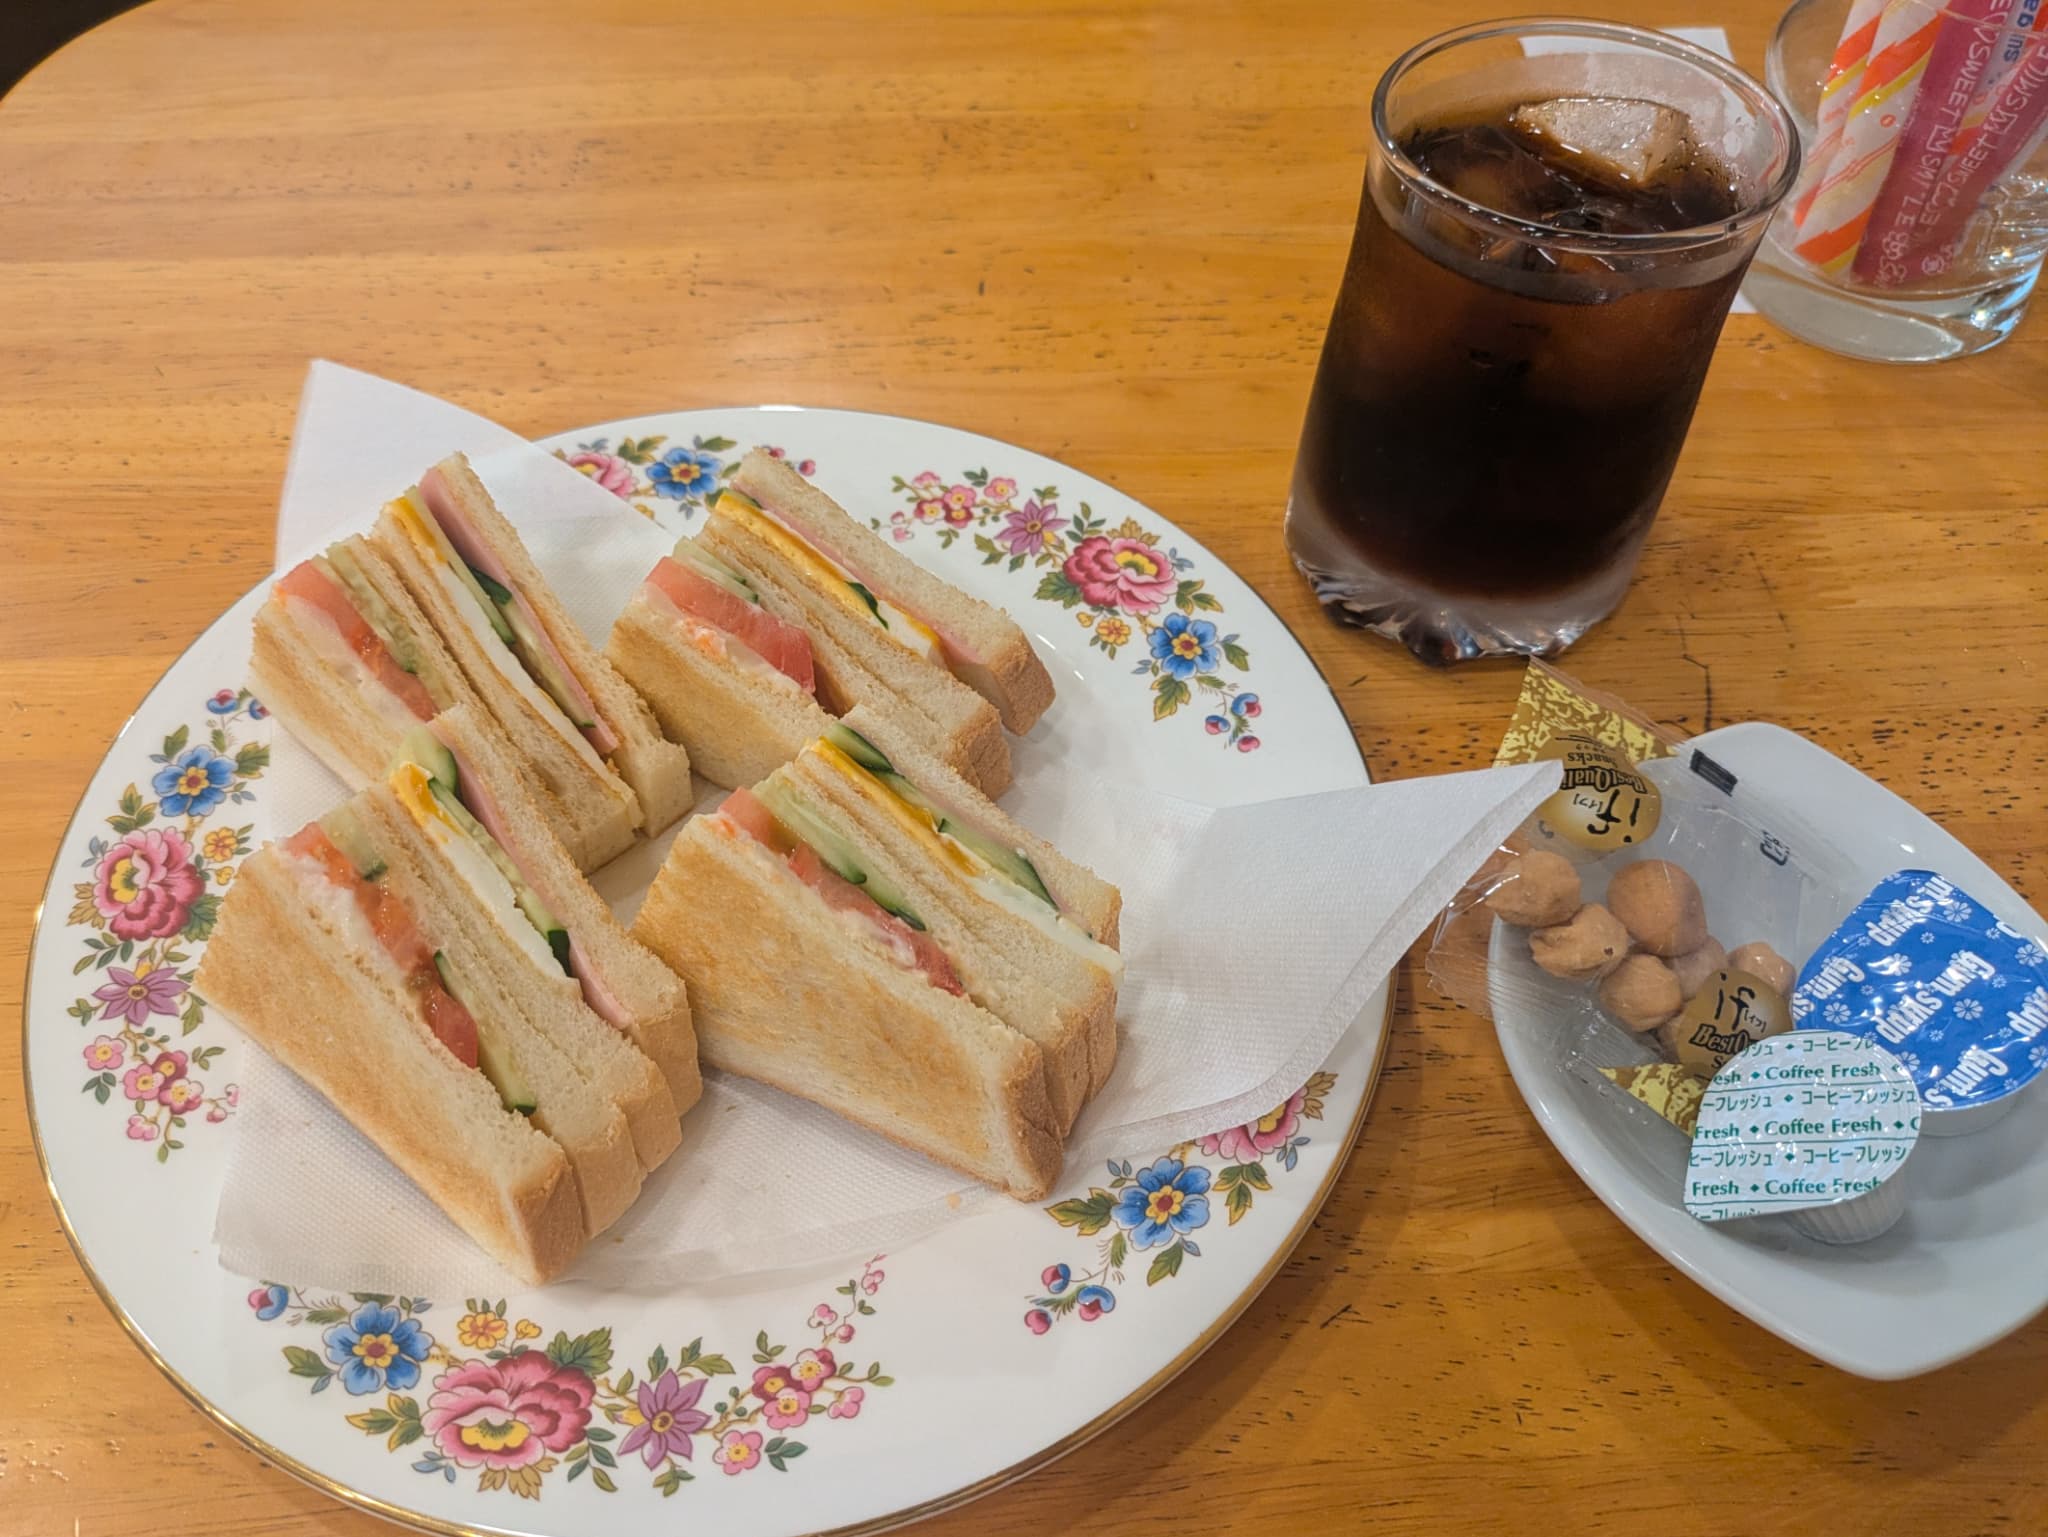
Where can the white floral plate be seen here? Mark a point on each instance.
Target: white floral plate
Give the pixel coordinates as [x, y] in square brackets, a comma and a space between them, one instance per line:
[853, 1397]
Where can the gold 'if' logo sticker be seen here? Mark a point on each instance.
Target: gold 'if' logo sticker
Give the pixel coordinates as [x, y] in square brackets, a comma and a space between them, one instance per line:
[1603, 804]
[1726, 1017]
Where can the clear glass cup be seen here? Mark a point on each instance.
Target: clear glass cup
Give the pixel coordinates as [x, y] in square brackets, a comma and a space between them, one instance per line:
[1919, 224]
[1500, 401]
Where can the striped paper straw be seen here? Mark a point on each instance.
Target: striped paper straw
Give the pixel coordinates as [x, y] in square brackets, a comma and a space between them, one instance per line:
[1956, 64]
[1840, 208]
[2013, 127]
[1838, 91]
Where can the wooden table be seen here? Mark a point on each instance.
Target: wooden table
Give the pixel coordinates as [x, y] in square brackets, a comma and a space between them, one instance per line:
[1113, 238]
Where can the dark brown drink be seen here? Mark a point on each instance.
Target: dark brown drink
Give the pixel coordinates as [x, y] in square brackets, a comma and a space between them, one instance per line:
[1511, 367]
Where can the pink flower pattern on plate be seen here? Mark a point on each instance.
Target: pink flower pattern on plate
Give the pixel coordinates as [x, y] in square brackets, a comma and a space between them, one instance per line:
[1254, 1139]
[608, 470]
[147, 908]
[516, 1419]
[506, 1414]
[144, 886]
[1121, 573]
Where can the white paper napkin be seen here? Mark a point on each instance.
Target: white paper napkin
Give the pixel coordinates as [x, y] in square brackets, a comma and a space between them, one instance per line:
[1253, 935]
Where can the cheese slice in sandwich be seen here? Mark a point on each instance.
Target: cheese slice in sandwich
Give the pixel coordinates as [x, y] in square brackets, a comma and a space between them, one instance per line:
[349, 662]
[333, 955]
[867, 651]
[458, 781]
[980, 644]
[960, 864]
[727, 677]
[809, 972]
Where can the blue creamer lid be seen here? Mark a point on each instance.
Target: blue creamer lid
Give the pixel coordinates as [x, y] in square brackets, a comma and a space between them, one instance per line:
[1921, 968]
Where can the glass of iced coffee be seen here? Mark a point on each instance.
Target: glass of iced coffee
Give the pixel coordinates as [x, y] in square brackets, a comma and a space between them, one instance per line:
[1555, 219]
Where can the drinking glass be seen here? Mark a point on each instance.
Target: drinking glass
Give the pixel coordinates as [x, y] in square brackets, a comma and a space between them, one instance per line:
[1919, 224]
[1500, 400]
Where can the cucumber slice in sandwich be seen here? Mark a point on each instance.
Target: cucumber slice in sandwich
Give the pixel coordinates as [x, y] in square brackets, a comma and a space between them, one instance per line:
[858, 748]
[870, 758]
[340, 563]
[714, 570]
[347, 833]
[803, 822]
[492, 1058]
[874, 607]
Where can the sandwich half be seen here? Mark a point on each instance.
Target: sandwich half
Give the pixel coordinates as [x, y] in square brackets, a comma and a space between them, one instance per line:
[960, 865]
[336, 953]
[844, 940]
[727, 677]
[462, 788]
[473, 909]
[867, 651]
[592, 741]
[978, 643]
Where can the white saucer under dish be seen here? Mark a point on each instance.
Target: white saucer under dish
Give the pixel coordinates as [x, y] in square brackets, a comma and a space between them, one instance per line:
[1963, 1267]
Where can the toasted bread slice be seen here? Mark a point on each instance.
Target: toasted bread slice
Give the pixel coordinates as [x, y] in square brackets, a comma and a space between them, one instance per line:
[285, 963]
[738, 725]
[599, 809]
[857, 661]
[657, 769]
[622, 981]
[984, 646]
[788, 993]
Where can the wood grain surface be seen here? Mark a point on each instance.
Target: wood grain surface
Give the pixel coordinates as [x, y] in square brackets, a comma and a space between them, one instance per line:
[1113, 237]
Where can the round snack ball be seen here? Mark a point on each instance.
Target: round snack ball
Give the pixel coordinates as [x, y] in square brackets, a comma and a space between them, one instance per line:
[1642, 993]
[1537, 890]
[1501, 860]
[1592, 944]
[1766, 965]
[1659, 904]
[1694, 967]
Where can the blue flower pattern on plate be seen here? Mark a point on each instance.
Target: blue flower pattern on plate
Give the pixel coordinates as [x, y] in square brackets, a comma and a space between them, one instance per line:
[378, 1347]
[1166, 1200]
[194, 782]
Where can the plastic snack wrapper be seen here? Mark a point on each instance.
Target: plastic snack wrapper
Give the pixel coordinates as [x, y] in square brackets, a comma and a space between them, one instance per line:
[1654, 912]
